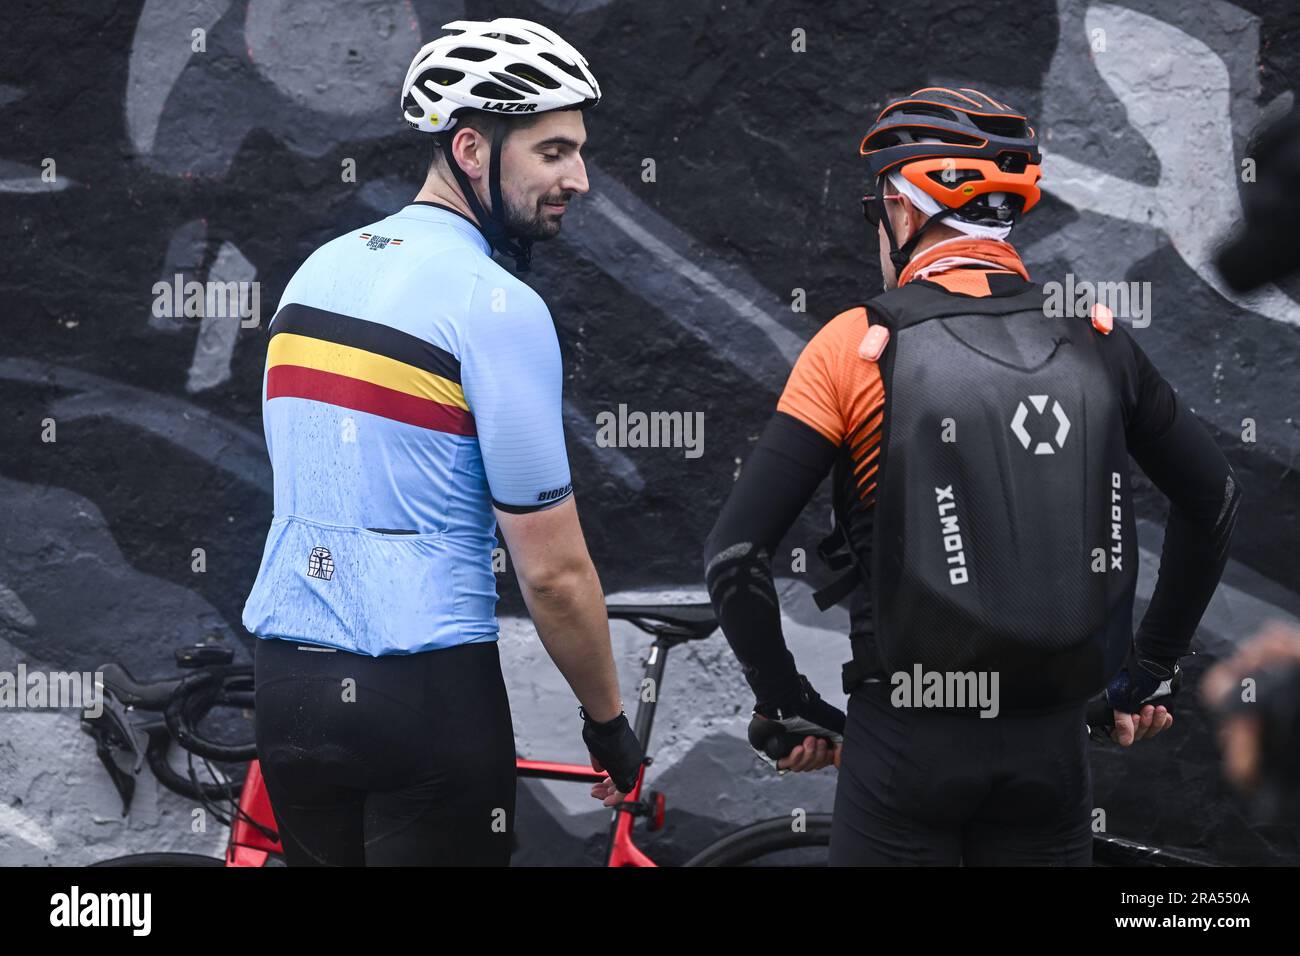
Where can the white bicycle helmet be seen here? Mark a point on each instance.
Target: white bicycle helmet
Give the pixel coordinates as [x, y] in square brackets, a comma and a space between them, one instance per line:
[507, 66]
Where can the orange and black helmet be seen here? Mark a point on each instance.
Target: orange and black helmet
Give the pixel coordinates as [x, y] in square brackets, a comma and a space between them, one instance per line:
[959, 146]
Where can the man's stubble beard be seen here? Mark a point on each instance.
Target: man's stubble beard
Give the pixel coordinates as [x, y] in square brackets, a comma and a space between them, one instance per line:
[531, 223]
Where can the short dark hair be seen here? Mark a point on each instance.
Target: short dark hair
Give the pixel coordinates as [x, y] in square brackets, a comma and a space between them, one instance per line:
[488, 125]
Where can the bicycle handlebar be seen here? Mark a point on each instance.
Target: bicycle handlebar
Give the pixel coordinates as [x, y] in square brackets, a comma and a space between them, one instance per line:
[183, 702]
[145, 696]
[228, 686]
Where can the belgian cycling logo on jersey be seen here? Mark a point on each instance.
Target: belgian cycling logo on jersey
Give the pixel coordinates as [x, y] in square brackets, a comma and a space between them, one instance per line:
[1062, 425]
[378, 242]
[320, 564]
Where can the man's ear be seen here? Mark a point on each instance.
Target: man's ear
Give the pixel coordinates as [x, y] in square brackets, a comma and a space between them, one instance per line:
[911, 219]
[469, 149]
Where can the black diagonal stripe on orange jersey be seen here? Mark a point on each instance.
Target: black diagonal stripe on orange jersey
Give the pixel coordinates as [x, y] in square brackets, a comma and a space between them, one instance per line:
[369, 336]
[861, 435]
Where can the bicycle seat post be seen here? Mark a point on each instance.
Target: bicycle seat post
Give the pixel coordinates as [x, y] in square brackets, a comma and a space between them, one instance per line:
[669, 625]
[648, 690]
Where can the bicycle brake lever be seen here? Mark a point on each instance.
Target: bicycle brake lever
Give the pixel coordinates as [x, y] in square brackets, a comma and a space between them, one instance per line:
[123, 781]
[133, 740]
[105, 745]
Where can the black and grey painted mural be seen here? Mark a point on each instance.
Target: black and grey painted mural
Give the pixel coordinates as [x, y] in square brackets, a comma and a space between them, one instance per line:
[722, 229]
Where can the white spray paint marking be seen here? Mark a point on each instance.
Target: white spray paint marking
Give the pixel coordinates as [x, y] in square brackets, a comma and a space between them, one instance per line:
[217, 333]
[16, 823]
[160, 50]
[785, 341]
[1177, 93]
[17, 178]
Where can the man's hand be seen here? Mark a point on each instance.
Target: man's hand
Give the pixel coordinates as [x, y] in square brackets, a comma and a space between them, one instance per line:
[613, 744]
[1132, 707]
[1150, 721]
[800, 733]
[606, 791]
[1135, 693]
[813, 754]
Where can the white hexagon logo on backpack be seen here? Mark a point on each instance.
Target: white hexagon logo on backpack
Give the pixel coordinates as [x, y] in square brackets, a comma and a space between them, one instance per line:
[1040, 403]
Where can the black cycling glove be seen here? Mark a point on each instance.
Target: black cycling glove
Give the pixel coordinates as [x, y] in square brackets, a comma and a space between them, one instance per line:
[615, 747]
[1143, 680]
[778, 727]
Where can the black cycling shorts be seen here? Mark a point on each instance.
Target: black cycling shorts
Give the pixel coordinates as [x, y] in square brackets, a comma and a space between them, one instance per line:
[405, 759]
[923, 787]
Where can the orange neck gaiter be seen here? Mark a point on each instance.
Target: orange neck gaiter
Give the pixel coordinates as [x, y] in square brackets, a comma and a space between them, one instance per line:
[994, 251]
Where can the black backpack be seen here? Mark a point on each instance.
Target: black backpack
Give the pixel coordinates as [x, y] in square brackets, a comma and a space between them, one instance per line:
[1000, 533]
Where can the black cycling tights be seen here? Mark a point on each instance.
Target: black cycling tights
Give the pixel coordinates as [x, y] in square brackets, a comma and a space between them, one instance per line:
[400, 760]
[924, 788]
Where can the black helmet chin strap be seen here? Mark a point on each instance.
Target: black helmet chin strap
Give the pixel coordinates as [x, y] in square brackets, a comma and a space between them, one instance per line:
[901, 256]
[492, 222]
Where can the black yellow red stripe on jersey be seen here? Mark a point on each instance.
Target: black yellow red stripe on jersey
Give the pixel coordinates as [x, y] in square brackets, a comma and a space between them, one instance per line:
[340, 360]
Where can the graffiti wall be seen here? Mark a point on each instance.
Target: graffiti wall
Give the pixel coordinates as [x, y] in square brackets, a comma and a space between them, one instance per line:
[221, 141]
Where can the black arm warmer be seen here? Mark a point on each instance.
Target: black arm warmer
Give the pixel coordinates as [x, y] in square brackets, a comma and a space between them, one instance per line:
[1181, 458]
[780, 477]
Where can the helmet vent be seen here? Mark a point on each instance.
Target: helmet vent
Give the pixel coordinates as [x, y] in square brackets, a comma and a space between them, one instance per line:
[909, 135]
[532, 76]
[925, 109]
[471, 53]
[1012, 127]
[1012, 162]
[412, 105]
[949, 177]
[569, 68]
[511, 81]
[440, 75]
[495, 91]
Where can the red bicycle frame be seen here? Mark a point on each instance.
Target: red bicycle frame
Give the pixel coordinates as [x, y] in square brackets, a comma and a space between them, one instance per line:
[248, 845]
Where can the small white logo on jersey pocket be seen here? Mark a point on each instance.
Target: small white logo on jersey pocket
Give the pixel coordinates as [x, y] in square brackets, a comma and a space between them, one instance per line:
[320, 564]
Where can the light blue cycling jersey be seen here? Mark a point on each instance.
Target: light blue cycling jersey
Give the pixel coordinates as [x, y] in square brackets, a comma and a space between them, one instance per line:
[411, 384]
